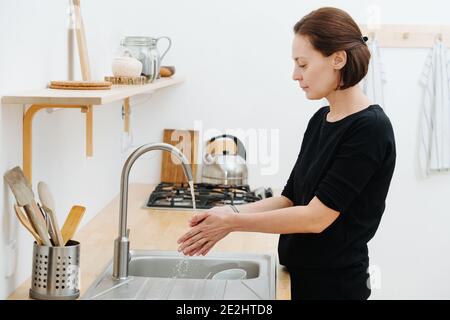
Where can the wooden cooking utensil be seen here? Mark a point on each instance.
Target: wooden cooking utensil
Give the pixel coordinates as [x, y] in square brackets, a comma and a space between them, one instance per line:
[72, 221]
[81, 42]
[187, 142]
[85, 71]
[48, 204]
[45, 215]
[21, 189]
[26, 223]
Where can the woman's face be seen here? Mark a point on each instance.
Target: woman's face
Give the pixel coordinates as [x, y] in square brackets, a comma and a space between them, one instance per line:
[317, 75]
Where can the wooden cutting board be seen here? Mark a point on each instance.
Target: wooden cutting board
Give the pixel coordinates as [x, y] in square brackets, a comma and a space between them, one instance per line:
[187, 142]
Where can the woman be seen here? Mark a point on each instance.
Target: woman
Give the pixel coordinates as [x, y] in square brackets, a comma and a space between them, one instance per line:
[333, 201]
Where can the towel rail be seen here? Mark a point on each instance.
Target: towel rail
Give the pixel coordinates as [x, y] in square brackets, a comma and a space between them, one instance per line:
[407, 36]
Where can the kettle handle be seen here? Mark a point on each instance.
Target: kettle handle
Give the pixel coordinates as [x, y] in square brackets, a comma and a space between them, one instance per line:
[168, 47]
[240, 146]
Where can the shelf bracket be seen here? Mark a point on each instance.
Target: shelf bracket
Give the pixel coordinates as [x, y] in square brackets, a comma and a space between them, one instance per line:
[126, 115]
[89, 120]
[28, 132]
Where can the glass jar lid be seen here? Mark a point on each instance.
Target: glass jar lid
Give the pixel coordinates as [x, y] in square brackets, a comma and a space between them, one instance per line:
[137, 41]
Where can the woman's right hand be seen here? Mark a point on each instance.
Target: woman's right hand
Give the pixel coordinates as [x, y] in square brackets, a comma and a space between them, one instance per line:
[207, 228]
[218, 209]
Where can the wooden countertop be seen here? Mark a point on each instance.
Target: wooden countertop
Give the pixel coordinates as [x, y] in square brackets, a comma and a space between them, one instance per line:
[152, 229]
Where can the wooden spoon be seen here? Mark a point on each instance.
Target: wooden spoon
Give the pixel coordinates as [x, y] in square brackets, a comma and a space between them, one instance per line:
[72, 222]
[48, 204]
[26, 223]
[21, 189]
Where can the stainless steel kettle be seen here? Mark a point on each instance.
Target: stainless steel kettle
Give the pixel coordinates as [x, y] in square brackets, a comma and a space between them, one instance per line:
[225, 168]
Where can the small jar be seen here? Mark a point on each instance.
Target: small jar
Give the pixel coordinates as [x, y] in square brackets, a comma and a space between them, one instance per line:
[126, 66]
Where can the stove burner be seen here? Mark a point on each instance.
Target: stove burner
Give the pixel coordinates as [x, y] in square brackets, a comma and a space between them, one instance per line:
[178, 195]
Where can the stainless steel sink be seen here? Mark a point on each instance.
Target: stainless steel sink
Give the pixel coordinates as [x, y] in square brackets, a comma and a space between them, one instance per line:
[170, 275]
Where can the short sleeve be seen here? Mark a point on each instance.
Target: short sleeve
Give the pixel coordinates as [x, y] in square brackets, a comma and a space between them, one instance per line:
[288, 190]
[357, 159]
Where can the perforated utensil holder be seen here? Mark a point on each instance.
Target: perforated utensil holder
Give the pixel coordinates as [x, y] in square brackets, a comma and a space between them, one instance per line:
[55, 272]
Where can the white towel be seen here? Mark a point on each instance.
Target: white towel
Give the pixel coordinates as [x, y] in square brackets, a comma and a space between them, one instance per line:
[435, 117]
[373, 82]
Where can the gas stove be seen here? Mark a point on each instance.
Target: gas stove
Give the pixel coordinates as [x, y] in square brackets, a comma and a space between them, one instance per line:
[178, 195]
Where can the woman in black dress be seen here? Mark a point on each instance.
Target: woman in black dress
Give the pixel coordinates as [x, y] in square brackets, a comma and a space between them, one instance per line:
[333, 201]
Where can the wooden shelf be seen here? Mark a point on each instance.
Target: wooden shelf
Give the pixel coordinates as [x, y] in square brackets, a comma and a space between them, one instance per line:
[78, 99]
[88, 97]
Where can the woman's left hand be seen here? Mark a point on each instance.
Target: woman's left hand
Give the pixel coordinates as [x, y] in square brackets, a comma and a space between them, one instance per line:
[208, 228]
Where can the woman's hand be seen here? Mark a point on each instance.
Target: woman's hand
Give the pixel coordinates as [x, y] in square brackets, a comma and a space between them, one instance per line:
[221, 209]
[207, 228]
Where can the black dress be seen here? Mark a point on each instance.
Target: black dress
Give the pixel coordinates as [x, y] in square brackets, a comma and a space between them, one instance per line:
[348, 165]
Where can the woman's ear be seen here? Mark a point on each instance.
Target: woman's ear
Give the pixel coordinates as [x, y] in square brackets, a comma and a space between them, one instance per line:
[339, 59]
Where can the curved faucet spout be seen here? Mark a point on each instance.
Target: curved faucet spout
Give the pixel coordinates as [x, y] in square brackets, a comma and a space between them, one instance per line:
[122, 243]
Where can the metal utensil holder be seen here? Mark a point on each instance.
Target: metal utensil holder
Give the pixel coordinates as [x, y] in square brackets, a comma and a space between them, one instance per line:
[55, 272]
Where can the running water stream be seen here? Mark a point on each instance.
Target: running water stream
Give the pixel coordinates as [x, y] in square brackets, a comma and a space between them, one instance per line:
[182, 266]
[191, 186]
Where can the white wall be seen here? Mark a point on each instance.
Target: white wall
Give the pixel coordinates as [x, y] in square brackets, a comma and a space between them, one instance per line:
[236, 56]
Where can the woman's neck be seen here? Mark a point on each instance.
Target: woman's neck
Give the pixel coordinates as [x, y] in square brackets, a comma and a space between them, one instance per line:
[345, 102]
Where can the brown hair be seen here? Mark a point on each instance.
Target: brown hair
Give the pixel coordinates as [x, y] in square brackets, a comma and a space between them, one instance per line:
[330, 30]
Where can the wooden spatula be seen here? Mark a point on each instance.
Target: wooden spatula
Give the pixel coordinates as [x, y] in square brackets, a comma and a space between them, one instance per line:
[21, 189]
[48, 204]
[72, 221]
[26, 223]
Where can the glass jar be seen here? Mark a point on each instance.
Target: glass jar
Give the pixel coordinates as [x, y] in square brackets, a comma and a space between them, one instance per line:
[145, 50]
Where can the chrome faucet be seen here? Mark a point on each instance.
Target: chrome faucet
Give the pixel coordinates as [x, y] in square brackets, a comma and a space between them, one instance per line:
[122, 243]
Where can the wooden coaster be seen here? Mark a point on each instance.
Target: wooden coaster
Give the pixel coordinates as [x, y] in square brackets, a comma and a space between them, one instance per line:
[78, 88]
[80, 83]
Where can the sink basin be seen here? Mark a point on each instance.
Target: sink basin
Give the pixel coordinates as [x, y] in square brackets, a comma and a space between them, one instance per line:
[166, 275]
[188, 267]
